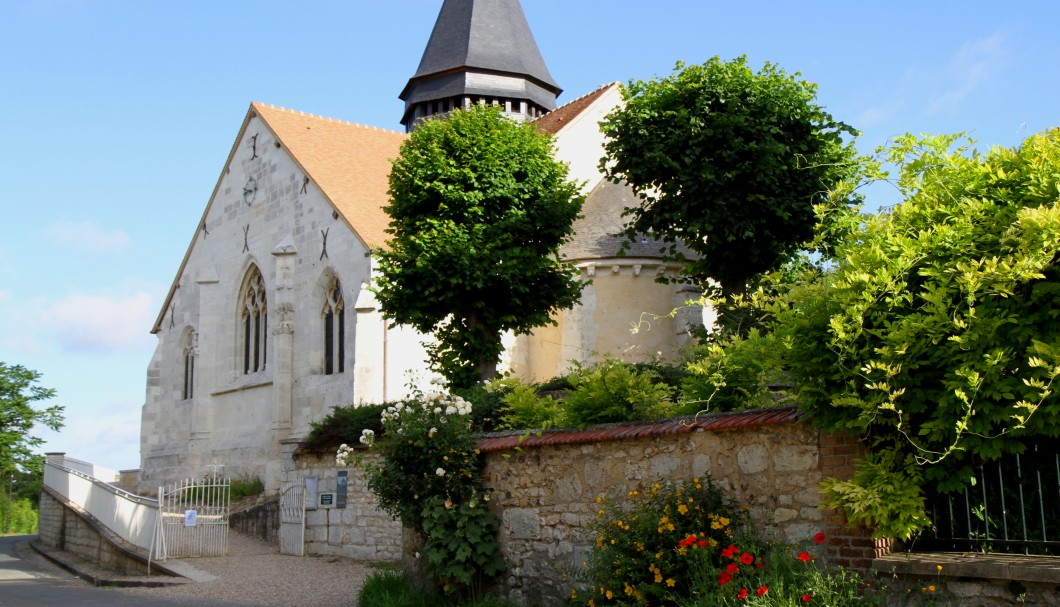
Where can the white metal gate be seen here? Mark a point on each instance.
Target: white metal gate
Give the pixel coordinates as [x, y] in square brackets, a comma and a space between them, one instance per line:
[193, 518]
[292, 517]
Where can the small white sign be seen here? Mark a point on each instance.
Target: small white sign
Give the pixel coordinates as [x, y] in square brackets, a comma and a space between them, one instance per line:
[190, 517]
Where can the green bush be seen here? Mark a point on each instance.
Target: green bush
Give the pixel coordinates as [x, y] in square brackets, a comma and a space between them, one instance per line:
[344, 426]
[391, 589]
[726, 376]
[526, 409]
[612, 391]
[241, 488]
[429, 476]
[17, 517]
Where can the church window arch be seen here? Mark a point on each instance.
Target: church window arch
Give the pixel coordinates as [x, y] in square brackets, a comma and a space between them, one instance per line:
[189, 351]
[334, 317]
[254, 322]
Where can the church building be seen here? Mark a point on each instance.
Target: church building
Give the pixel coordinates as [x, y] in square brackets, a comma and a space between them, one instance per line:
[271, 322]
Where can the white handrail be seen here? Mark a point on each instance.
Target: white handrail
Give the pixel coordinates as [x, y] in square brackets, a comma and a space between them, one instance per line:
[131, 517]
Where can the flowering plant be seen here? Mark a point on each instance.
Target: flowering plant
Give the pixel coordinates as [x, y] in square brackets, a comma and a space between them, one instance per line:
[429, 476]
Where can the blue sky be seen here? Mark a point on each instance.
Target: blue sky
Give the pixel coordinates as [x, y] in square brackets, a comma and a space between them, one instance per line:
[117, 117]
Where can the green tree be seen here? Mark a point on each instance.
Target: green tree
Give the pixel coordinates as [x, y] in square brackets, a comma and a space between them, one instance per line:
[18, 393]
[478, 210]
[729, 163]
[936, 336]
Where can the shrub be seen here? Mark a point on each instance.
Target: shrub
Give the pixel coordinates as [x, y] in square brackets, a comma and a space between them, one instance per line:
[687, 544]
[429, 476]
[640, 545]
[246, 487]
[525, 408]
[612, 391]
[726, 377]
[344, 425]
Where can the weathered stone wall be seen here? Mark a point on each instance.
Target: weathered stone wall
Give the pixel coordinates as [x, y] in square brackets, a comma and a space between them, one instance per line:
[361, 530]
[260, 520]
[63, 528]
[546, 494]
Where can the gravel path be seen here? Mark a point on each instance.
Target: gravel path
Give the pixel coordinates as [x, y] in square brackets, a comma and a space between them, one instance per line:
[255, 572]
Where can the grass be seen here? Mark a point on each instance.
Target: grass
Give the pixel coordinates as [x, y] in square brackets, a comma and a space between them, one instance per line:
[392, 589]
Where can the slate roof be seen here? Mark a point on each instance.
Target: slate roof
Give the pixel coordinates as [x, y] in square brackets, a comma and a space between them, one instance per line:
[486, 36]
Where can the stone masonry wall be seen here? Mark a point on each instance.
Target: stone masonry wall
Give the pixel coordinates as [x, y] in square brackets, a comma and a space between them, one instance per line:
[361, 530]
[546, 494]
[62, 528]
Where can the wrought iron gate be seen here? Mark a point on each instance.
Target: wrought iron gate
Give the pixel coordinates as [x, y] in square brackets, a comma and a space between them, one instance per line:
[292, 517]
[193, 518]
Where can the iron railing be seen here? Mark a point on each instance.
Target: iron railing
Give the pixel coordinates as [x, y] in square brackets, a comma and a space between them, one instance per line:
[1012, 506]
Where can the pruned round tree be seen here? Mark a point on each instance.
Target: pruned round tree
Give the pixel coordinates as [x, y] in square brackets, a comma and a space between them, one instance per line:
[478, 210]
[728, 162]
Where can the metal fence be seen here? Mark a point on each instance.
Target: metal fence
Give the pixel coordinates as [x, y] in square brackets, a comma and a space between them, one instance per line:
[193, 518]
[1012, 506]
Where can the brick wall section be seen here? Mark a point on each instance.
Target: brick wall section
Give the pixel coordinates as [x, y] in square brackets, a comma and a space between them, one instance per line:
[848, 547]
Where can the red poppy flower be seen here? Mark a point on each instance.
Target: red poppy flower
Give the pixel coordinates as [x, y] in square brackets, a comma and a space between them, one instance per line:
[762, 590]
[806, 598]
[760, 565]
[730, 551]
[747, 559]
[724, 578]
[804, 556]
[688, 541]
[819, 538]
[702, 543]
[732, 568]
[743, 594]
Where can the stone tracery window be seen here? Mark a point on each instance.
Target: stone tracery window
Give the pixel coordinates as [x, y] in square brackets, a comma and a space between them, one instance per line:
[334, 328]
[254, 317]
[190, 343]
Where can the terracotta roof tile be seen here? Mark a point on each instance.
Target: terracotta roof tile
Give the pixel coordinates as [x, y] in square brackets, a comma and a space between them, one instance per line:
[560, 117]
[349, 162]
[503, 441]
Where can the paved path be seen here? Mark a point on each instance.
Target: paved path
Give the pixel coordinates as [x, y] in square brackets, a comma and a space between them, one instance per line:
[253, 573]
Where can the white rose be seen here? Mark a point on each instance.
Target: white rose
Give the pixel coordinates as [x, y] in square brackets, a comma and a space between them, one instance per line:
[440, 472]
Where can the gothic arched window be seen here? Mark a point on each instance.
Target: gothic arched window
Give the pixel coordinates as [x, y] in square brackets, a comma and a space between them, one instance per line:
[334, 328]
[188, 390]
[254, 317]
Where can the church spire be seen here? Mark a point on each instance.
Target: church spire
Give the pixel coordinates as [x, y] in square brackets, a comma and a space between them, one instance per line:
[481, 51]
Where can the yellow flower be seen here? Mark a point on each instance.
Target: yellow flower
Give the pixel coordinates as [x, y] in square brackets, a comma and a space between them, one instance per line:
[599, 513]
[591, 603]
[938, 567]
[683, 509]
[658, 578]
[670, 582]
[931, 588]
[573, 593]
[610, 595]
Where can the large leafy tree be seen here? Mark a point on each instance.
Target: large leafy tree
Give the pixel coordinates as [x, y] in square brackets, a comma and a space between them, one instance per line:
[478, 210]
[937, 335]
[728, 162]
[19, 391]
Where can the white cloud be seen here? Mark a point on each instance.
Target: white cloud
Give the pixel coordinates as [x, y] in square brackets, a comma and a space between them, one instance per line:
[97, 323]
[972, 68]
[108, 436]
[86, 235]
